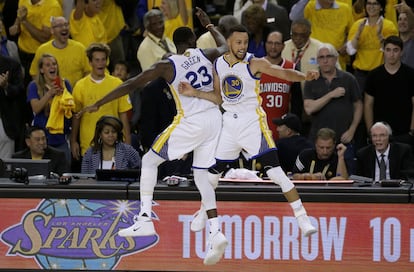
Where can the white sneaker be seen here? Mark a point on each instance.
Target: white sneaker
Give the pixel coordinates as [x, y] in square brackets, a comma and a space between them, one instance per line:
[199, 220]
[216, 246]
[305, 225]
[143, 226]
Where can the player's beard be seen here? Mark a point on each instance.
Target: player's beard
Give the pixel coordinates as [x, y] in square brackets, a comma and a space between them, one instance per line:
[237, 55]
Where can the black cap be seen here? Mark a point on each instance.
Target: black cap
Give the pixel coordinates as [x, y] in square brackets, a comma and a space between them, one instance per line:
[290, 120]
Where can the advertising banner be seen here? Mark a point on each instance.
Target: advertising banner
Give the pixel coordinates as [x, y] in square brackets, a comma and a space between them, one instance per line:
[81, 234]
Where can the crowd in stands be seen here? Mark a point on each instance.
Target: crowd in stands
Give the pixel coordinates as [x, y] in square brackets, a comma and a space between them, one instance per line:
[59, 56]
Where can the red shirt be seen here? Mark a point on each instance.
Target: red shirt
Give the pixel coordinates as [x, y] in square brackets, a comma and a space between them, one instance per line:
[275, 93]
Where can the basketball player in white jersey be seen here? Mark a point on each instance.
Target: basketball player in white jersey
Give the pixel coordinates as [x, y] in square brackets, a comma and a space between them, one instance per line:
[236, 82]
[196, 127]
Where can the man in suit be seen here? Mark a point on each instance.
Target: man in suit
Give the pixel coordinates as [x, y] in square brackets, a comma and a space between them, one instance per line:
[398, 157]
[37, 149]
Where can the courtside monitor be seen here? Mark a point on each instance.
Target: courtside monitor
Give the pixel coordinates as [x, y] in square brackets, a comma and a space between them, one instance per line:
[33, 167]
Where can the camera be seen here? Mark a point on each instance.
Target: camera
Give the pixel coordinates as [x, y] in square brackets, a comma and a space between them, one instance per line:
[19, 174]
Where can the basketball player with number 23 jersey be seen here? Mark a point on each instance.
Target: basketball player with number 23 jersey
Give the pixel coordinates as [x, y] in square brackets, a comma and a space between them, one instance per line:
[196, 127]
[236, 81]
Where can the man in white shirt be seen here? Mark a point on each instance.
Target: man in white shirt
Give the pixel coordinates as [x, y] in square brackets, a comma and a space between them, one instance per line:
[155, 45]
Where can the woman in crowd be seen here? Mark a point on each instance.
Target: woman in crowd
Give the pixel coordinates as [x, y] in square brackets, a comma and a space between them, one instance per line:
[365, 39]
[107, 150]
[51, 101]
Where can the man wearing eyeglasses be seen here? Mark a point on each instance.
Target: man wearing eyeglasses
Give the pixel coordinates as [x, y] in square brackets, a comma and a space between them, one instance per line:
[397, 157]
[70, 54]
[279, 96]
[331, 21]
[302, 49]
[334, 99]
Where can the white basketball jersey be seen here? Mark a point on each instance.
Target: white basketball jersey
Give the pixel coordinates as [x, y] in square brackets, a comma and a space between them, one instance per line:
[239, 88]
[195, 68]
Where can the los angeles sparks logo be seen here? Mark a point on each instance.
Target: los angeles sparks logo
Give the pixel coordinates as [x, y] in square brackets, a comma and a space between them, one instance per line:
[76, 234]
[232, 87]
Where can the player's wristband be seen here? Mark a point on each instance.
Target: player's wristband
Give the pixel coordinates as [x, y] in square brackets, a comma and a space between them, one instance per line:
[209, 25]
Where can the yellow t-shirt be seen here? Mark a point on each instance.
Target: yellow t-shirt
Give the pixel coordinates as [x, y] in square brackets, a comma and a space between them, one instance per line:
[39, 16]
[390, 11]
[330, 25]
[87, 30]
[171, 25]
[112, 18]
[349, 2]
[369, 54]
[72, 60]
[85, 93]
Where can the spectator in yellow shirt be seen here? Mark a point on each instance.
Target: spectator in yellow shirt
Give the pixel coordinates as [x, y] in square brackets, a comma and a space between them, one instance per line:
[114, 22]
[90, 89]
[32, 26]
[365, 39]
[70, 54]
[86, 26]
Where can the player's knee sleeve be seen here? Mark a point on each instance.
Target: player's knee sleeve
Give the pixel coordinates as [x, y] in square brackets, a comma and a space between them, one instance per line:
[219, 167]
[279, 177]
[151, 160]
[149, 172]
[215, 172]
[208, 195]
[269, 159]
[213, 179]
[148, 181]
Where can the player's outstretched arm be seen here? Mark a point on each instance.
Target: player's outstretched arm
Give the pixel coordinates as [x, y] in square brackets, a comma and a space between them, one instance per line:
[261, 65]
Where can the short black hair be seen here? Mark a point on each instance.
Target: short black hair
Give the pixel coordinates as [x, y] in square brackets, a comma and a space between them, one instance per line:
[31, 129]
[395, 40]
[122, 62]
[183, 35]
[237, 28]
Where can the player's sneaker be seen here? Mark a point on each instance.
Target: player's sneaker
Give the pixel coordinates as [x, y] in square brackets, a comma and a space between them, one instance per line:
[199, 220]
[305, 225]
[143, 226]
[216, 246]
